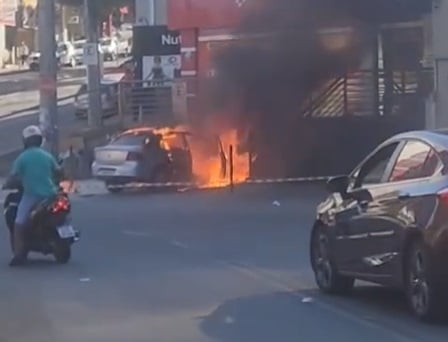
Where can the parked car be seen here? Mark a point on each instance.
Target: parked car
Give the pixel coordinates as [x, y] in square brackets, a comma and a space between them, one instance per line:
[109, 97]
[386, 222]
[78, 46]
[65, 55]
[123, 45]
[34, 61]
[146, 155]
[109, 49]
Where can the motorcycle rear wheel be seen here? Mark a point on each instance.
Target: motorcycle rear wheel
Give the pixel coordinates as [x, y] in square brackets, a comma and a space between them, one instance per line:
[62, 252]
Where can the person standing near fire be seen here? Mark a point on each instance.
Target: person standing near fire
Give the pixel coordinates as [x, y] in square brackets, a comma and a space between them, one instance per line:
[23, 53]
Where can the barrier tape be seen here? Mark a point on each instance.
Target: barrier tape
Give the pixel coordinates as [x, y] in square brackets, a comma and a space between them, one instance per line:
[153, 185]
[194, 185]
[287, 180]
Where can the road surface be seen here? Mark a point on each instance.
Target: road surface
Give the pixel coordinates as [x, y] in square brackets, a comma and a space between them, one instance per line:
[29, 80]
[26, 81]
[11, 127]
[20, 91]
[195, 266]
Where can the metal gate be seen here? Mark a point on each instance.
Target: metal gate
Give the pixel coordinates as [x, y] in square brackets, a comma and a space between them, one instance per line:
[342, 122]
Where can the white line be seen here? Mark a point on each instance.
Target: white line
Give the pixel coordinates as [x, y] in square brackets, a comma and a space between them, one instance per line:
[188, 72]
[255, 274]
[180, 244]
[136, 234]
[188, 49]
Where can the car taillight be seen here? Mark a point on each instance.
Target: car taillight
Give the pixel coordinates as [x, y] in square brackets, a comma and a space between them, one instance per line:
[443, 196]
[61, 204]
[133, 156]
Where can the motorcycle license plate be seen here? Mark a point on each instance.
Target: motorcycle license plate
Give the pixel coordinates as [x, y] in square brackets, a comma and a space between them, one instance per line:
[66, 232]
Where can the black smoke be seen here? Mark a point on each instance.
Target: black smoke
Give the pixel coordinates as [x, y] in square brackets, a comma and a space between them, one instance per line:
[265, 79]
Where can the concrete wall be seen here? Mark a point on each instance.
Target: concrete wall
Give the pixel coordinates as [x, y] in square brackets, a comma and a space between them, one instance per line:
[4, 53]
[437, 28]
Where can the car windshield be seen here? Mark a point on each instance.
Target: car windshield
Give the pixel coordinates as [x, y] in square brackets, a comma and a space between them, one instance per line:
[129, 139]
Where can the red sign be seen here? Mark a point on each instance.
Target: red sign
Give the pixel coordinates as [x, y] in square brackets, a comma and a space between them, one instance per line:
[204, 13]
[47, 85]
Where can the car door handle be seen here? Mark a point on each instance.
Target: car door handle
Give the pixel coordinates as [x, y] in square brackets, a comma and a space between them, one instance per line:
[404, 196]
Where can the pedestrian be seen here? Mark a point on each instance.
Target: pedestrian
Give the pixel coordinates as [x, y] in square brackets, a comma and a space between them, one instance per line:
[23, 53]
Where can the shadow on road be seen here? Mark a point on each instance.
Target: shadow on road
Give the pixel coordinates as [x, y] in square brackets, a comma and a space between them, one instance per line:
[255, 318]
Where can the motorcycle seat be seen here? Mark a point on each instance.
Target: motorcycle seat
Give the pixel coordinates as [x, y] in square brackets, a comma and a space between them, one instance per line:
[41, 206]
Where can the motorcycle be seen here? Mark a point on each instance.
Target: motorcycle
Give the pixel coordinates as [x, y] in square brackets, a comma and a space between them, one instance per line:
[49, 228]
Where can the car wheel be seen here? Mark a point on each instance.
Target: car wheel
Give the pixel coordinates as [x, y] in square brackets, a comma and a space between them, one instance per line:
[424, 293]
[327, 277]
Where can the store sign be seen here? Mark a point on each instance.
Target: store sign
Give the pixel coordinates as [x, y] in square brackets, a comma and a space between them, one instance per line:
[156, 40]
[158, 50]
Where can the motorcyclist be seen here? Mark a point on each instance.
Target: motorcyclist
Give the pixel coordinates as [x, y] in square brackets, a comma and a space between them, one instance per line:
[35, 169]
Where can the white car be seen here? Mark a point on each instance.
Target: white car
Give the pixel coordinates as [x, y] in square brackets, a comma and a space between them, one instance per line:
[78, 46]
[109, 48]
[65, 53]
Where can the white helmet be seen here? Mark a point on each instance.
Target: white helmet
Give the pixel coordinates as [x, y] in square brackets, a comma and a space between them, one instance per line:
[31, 131]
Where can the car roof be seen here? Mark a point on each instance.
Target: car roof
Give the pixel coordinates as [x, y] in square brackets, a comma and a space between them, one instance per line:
[438, 139]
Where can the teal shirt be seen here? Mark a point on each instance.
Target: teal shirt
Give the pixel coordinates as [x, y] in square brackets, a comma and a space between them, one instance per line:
[36, 169]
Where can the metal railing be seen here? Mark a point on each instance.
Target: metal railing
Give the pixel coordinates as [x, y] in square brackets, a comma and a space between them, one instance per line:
[365, 93]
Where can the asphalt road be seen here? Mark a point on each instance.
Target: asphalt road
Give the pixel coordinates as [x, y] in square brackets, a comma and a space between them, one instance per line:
[11, 127]
[196, 266]
[26, 81]
[20, 91]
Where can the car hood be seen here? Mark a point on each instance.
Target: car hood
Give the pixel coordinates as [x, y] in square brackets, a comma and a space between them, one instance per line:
[35, 55]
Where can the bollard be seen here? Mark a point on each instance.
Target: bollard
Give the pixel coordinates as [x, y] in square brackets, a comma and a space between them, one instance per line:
[140, 114]
[249, 161]
[231, 168]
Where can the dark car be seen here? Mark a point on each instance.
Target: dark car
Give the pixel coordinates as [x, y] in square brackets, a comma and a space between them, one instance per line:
[387, 223]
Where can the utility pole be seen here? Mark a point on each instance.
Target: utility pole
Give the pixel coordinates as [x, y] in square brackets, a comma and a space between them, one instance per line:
[92, 61]
[48, 115]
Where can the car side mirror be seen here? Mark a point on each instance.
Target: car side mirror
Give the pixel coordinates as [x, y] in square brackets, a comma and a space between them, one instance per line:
[338, 184]
[361, 195]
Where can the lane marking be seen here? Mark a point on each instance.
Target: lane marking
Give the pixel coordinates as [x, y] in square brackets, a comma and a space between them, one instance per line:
[180, 244]
[136, 233]
[256, 274]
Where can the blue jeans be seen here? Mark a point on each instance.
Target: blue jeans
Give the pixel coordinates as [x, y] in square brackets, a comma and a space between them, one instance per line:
[26, 204]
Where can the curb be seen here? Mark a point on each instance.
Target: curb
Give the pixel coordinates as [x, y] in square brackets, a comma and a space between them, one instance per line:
[34, 108]
[14, 72]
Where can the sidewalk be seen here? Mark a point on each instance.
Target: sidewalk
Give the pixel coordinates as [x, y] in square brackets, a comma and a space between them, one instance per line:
[10, 69]
[11, 104]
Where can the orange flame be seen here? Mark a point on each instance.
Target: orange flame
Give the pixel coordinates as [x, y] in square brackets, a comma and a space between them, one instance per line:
[211, 157]
[215, 171]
